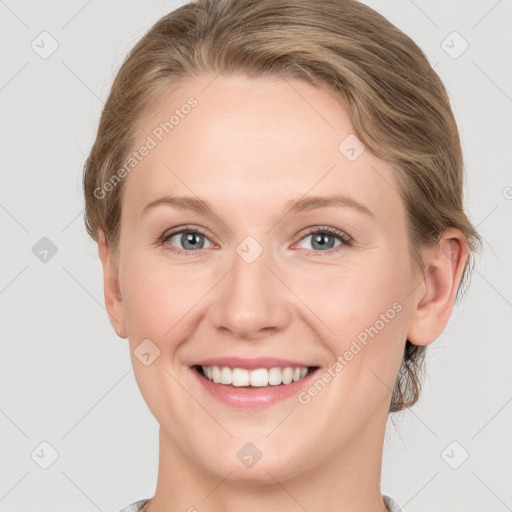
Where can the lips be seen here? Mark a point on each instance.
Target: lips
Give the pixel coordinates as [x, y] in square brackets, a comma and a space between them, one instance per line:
[252, 383]
[257, 372]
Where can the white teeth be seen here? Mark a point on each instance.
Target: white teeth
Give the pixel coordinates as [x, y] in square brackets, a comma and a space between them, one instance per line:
[287, 375]
[259, 378]
[256, 378]
[240, 377]
[274, 376]
[226, 376]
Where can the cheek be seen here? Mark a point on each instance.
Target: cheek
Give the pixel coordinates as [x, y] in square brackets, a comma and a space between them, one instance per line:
[158, 303]
[157, 297]
[360, 309]
[350, 297]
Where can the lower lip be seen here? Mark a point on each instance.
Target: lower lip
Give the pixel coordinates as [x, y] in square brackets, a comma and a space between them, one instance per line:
[253, 397]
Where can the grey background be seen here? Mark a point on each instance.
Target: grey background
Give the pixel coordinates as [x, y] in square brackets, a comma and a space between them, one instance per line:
[65, 377]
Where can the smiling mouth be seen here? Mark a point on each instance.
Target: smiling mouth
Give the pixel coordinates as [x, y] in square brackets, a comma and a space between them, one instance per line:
[257, 378]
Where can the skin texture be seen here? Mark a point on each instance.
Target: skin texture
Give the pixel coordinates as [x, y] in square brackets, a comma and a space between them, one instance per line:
[248, 147]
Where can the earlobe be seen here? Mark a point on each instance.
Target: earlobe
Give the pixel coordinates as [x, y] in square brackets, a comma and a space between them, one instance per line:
[444, 267]
[111, 288]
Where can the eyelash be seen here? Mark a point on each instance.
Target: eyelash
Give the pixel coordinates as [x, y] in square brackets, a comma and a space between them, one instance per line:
[346, 240]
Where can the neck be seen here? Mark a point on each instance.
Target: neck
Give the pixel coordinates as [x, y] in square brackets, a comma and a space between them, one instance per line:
[348, 481]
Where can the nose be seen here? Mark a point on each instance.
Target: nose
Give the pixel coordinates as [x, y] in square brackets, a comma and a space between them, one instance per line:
[251, 301]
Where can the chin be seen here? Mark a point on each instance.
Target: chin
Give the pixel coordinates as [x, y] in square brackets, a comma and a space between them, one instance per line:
[255, 462]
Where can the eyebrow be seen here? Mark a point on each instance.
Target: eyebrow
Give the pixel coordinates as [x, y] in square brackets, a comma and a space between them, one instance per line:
[299, 205]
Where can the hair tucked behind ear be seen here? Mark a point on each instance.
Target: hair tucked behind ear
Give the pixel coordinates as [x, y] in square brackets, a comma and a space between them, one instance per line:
[398, 106]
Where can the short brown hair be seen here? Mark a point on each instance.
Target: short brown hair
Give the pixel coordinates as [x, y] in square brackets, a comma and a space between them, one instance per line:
[397, 103]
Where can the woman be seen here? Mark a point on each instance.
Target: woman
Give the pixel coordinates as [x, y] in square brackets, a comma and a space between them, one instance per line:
[276, 193]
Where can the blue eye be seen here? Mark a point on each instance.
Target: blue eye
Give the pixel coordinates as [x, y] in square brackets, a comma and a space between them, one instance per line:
[324, 238]
[188, 240]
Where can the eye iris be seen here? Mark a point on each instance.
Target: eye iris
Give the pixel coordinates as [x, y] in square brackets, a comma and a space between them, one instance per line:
[189, 238]
[319, 240]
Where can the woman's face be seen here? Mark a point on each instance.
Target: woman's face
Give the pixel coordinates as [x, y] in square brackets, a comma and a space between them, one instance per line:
[297, 257]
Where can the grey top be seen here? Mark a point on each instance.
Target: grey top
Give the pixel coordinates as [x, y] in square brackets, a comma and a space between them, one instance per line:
[137, 505]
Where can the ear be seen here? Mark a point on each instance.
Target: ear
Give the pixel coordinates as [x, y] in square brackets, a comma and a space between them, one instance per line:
[435, 298]
[113, 299]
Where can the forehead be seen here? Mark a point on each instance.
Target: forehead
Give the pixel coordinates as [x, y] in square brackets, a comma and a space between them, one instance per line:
[240, 142]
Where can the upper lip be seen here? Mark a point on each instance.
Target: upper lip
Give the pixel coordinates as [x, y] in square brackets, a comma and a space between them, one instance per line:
[251, 364]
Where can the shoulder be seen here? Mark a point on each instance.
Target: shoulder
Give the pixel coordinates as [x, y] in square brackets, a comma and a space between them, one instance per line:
[392, 505]
[135, 506]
